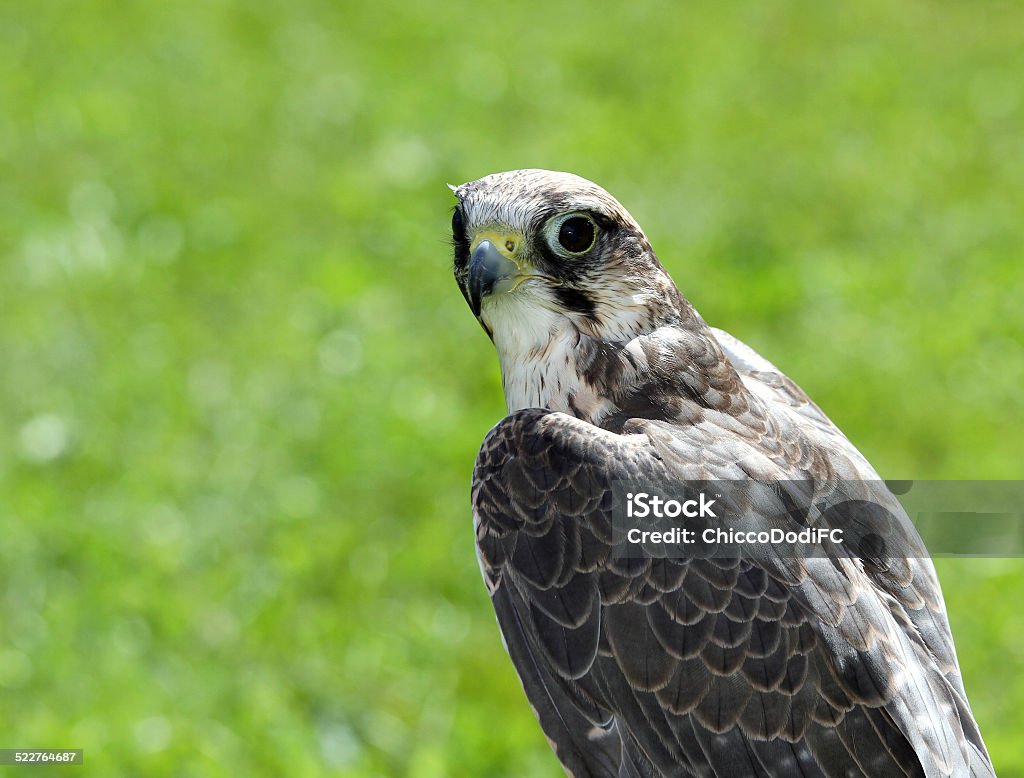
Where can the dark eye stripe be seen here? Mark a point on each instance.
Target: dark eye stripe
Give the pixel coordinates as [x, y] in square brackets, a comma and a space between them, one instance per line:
[459, 238]
[575, 300]
[458, 224]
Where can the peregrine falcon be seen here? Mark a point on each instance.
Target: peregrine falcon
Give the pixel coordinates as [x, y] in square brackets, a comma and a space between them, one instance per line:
[756, 665]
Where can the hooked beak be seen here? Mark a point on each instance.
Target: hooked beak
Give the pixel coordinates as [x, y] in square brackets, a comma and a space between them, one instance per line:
[490, 272]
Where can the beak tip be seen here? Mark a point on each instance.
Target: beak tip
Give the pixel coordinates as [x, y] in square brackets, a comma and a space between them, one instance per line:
[486, 268]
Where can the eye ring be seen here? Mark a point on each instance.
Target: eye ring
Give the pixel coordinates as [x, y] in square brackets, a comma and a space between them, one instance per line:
[572, 234]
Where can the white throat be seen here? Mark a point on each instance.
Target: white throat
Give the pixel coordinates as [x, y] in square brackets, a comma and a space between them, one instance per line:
[538, 348]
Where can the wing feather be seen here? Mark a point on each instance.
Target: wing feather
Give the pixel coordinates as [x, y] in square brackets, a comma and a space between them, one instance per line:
[755, 666]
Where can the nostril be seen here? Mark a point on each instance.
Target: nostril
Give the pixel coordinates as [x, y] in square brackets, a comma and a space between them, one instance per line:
[510, 245]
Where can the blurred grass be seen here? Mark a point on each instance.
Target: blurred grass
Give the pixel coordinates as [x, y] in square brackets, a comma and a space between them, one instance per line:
[241, 395]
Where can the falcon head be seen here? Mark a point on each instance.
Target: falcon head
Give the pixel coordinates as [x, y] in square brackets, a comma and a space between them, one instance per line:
[538, 252]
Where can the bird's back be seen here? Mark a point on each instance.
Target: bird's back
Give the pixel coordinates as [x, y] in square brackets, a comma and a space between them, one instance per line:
[726, 667]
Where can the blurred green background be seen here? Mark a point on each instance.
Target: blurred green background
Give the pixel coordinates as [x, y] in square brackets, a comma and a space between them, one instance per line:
[241, 395]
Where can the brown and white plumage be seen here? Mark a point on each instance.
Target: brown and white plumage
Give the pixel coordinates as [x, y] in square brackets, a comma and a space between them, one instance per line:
[756, 666]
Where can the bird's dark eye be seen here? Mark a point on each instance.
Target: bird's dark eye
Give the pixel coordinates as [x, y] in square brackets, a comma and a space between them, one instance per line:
[577, 234]
[458, 226]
